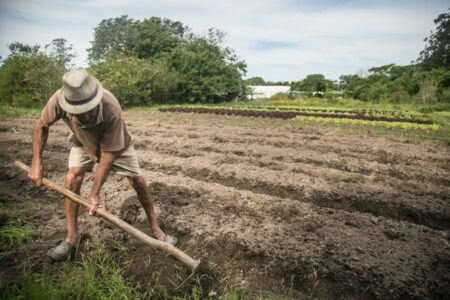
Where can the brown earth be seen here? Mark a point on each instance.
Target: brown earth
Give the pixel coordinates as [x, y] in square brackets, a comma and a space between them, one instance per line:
[266, 204]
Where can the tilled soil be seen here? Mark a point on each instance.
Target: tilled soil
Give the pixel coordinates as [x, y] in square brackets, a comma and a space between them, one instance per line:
[268, 205]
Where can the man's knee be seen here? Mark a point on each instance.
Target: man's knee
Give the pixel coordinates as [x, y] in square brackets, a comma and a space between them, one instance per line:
[74, 177]
[137, 182]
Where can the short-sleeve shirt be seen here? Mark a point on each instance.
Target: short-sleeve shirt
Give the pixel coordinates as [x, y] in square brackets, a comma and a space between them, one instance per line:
[107, 133]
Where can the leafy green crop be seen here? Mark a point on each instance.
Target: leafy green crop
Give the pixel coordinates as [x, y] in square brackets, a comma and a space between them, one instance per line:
[403, 125]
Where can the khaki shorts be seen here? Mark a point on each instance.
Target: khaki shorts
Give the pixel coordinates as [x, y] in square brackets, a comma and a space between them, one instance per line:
[126, 164]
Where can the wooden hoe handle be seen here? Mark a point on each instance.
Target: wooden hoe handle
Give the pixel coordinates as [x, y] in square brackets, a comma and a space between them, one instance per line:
[172, 250]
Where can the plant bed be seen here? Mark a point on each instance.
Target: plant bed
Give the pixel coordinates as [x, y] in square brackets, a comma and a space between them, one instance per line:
[285, 114]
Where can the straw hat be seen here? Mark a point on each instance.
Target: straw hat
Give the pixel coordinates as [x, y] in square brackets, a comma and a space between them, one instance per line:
[80, 92]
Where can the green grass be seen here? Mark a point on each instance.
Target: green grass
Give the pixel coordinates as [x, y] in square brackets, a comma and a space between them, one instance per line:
[15, 231]
[15, 235]
[9, 111]
[98, 276]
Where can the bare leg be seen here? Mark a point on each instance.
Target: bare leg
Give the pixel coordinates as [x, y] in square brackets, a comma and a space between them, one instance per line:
[73, 182]
[145, 197]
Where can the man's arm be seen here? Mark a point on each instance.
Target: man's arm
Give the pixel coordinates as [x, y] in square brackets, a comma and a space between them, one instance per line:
[101, 173]
[39, 142]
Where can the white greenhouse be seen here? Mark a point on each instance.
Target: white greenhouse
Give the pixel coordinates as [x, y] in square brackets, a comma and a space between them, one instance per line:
[266, 91]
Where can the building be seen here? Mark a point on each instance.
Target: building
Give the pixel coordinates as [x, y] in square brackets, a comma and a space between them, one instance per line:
[266, 91]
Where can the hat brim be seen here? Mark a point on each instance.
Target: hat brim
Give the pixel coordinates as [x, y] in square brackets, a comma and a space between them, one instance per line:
[83, 108]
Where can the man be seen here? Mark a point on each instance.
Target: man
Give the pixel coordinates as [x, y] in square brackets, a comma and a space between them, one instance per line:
[99, 135]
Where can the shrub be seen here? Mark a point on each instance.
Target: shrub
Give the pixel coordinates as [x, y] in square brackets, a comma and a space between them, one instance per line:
[29, 79]
[208, 72]
[136, 81]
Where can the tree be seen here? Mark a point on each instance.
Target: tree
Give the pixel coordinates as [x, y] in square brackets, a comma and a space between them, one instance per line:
[255, 81]
[154, 36]
[136, 81]
[437, 52]
[61, 51]
[28, 77]
[111, 36]
[312, 83]
[144, 39]
[17, 48]
[208, 72]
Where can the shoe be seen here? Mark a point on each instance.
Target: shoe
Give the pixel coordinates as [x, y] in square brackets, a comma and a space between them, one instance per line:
[61, 252]
[171, 240]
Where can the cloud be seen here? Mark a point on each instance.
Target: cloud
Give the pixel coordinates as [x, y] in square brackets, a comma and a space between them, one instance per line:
[279, 40]
[265, 45]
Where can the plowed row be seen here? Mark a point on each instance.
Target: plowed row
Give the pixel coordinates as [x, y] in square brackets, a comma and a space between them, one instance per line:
[280, 114]
[274, 206]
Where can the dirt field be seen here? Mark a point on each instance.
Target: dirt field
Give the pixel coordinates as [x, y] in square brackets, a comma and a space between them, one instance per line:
[268, 204]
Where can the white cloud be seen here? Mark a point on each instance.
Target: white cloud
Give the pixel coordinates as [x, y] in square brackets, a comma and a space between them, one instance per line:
[329, 38]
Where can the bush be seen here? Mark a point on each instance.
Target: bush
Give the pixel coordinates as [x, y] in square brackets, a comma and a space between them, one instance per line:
[208, 72]
[189, 68]
[136, 81]
[29, 79]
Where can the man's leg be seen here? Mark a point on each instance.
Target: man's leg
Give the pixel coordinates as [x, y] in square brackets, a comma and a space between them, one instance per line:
[64, 250]
[73, 182]
[145, 197]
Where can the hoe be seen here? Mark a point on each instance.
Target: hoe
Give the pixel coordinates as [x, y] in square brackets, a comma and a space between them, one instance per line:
[191, 263]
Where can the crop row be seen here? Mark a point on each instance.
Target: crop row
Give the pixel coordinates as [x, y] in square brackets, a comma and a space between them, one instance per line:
[403, 125]
[372, 112]
[281, 114]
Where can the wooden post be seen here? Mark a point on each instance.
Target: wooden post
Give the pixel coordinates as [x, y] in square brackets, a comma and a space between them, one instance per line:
[172, 250]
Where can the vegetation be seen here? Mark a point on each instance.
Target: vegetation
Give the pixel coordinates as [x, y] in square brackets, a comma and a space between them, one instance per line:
[98, 276]
[354, 115]
[260, 81]
[29, 76]
[436, 53]
[358, 122]
[136, 81]
[399, 84]
[426, 82]
[312, 83]
[159, 61]
[143, 62]
[14, 231]
[381, 118]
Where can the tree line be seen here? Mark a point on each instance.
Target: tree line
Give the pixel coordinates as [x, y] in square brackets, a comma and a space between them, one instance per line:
[155, 60]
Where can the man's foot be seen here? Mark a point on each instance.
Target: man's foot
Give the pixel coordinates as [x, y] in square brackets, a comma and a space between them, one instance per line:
[61, 252]
[163, 237]
[158, 233]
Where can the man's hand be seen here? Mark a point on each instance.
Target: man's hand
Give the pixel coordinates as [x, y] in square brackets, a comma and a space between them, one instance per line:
[95, 202]
[36, 173]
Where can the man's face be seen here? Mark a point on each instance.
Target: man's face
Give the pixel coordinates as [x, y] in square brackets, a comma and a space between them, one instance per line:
[88, 117]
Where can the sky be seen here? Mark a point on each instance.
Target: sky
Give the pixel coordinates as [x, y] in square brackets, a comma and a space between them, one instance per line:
[280, 40]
